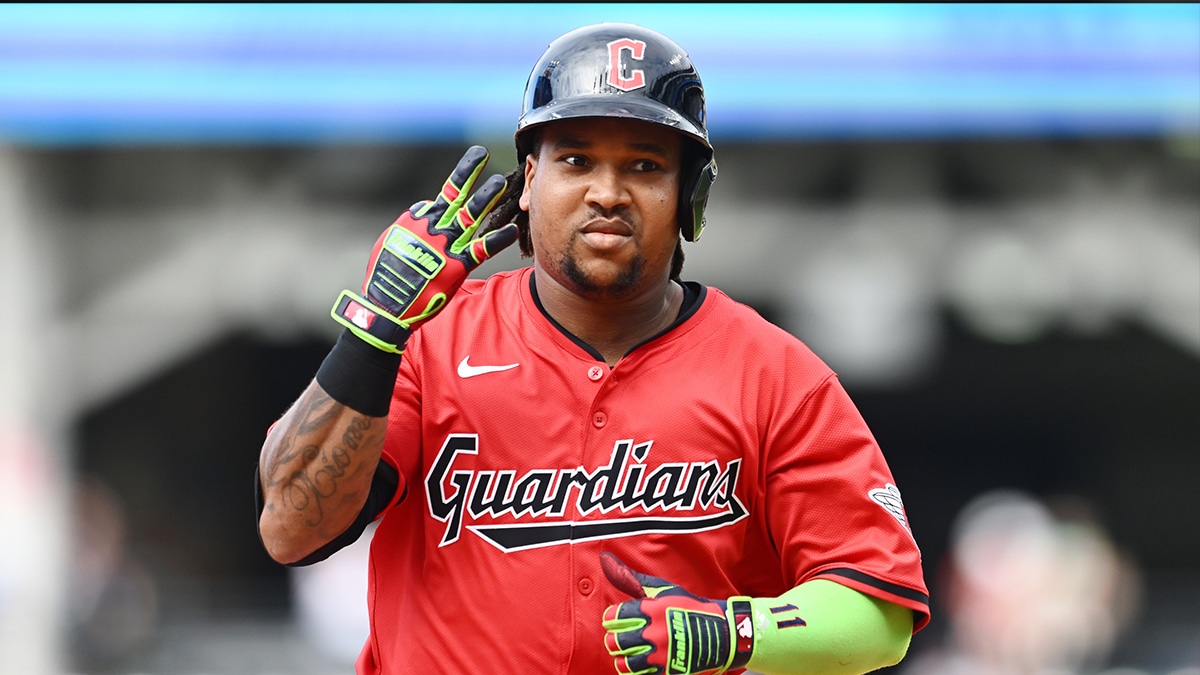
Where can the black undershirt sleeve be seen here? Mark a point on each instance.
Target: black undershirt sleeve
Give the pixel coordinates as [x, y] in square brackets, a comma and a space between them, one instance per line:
[383, 489]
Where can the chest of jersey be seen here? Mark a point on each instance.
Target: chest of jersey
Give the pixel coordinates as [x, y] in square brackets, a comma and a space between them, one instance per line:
[524, 457]
[582, 451]
[526, 440]
[531, 457]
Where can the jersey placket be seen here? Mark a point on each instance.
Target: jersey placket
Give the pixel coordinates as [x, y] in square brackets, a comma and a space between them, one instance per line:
[595, 456]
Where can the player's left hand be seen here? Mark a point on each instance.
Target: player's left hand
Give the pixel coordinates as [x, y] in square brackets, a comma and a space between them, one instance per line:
[666, 629]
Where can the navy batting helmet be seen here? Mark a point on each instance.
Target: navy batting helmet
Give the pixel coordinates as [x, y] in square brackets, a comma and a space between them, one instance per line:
[624, 70]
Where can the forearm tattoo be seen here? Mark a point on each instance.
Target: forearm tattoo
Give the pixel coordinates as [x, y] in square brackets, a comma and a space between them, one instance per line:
[307, 477]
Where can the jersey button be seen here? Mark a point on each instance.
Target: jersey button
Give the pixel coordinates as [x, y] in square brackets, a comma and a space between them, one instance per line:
[585, 586]
[595, 373]
[599, 419]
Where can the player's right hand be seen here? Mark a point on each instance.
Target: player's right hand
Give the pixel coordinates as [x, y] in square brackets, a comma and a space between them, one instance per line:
[422, 259]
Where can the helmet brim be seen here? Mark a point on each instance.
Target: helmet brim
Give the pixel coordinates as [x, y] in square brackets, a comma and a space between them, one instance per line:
[635, 108]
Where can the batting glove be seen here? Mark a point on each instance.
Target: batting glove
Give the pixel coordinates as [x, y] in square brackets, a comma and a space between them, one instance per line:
[666, 630]
[422, 259]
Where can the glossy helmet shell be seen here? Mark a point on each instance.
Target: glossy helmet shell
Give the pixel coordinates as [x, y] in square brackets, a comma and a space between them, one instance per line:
[624, 70]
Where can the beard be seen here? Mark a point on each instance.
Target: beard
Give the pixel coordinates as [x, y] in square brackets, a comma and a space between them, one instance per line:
[587, 285]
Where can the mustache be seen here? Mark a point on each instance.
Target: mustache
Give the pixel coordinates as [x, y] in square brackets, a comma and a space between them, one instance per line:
[620, 213]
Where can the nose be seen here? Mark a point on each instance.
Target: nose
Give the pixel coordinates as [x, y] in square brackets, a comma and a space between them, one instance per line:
[607, 190]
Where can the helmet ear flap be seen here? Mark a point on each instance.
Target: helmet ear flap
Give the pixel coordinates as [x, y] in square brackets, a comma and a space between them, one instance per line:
[693, 196]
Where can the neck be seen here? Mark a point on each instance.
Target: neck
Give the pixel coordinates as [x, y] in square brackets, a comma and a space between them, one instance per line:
[611, 327]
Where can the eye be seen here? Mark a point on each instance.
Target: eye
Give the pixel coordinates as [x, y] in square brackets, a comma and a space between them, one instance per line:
[646, 165]
[575, 160]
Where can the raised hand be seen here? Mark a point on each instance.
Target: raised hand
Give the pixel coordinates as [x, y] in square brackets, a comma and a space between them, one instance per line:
[422, 259]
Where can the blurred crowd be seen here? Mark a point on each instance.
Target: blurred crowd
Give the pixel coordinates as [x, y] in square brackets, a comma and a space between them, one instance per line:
[1030, 588]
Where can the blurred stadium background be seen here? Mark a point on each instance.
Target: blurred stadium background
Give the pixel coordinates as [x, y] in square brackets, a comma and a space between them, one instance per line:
[985, 217]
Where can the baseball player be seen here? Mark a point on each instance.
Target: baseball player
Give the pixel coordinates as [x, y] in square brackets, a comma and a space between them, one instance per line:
[589, 464]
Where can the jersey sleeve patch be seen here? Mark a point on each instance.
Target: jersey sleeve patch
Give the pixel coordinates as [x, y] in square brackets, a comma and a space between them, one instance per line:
[888, 497]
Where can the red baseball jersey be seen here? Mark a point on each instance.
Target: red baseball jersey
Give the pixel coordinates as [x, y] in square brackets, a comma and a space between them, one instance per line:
[721, 455]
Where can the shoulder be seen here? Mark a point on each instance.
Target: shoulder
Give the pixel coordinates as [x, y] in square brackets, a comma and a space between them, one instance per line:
[744, 325]
[499, 291]
[508, 281]
[481, 307]
[735, 334]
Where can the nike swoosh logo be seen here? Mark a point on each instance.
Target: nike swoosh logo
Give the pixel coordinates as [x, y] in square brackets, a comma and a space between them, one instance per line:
[467, 370]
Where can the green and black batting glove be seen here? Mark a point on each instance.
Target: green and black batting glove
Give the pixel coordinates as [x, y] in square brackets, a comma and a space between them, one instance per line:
[422, 259]
[666, 630]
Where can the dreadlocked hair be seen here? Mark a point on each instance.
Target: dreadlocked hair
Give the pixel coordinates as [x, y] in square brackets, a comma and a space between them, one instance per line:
[508, 210]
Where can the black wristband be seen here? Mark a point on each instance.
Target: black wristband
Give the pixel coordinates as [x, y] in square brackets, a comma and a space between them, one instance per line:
[359, 376]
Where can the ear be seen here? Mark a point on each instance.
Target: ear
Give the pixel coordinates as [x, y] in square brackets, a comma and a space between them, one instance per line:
[530, 171]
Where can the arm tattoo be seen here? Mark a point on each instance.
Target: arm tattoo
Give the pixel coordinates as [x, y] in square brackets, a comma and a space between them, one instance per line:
[307, 488]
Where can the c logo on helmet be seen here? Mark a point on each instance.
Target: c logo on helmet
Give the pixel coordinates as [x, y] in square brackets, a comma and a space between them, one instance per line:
[637, 77]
